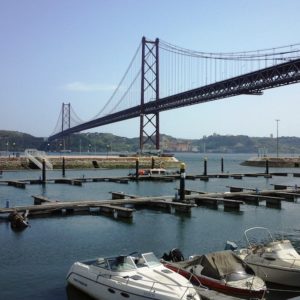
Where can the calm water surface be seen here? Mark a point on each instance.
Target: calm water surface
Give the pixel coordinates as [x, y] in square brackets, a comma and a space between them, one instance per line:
[34, 262]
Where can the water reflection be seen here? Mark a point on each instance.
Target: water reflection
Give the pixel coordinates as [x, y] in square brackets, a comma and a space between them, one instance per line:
[75, 294]
[280, 292]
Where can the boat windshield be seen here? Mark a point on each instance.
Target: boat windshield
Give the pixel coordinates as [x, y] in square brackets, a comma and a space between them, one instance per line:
[151, 260]
[121, 263]
[258, 236]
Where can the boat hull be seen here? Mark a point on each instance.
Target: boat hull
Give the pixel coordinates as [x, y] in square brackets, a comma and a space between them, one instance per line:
[106, 286]
[104, 290]
[284, 276]
[218, 285]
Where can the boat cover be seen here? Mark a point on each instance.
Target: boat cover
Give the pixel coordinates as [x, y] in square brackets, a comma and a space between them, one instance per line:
[216, 264]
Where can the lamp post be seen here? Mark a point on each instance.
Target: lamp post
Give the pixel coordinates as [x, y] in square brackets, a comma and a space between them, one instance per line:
[107, 149]
[277, 120]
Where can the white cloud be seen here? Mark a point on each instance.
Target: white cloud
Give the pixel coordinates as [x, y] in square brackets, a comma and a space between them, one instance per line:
[87, 87]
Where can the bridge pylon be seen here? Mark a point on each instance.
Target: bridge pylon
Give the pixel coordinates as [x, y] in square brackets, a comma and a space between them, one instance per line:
[65, 123]
[149, 123]
[66, 116]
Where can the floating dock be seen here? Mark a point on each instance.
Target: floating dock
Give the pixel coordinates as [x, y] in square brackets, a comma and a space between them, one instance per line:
[21, 183]
[123, 205]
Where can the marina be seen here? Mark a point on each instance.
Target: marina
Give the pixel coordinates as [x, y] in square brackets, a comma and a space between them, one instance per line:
[141, 146]
[136, 215]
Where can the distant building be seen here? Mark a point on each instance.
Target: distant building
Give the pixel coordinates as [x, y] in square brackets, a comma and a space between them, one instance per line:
[178, 146]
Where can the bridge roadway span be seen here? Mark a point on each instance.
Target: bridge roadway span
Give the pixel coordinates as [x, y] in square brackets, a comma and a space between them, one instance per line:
[251, 83]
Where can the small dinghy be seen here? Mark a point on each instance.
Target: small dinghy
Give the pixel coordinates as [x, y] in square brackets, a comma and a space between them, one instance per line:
[275, 261]
[222, 271]
[131, 276]
[18, 220]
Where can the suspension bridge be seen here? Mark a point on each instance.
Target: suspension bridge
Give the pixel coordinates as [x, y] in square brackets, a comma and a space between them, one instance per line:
[169, 77]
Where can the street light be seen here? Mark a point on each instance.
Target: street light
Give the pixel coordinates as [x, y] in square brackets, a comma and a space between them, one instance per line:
[107, 148]
[277, 120]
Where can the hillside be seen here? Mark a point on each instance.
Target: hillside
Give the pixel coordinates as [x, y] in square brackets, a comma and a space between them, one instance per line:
[14, 141]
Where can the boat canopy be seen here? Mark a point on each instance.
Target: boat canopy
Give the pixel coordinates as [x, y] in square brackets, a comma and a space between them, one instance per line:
[218, 264]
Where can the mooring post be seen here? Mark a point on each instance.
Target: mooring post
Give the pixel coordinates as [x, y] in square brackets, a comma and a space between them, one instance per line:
[152, 162]
[205, 167]
[182, 182]
[63, 167]
[222, 165]
[267, 166]
[44, 172]
[137, 163]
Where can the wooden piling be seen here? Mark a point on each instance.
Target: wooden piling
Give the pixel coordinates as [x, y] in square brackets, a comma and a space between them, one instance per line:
[267, 166]
[44, 172]
[222, 165]
[137, 169]
[205, 167]
[63, 167]
[182, 182]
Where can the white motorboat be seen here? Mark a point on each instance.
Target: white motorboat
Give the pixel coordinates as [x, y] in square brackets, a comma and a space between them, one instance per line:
[133, 277]
[273, 260]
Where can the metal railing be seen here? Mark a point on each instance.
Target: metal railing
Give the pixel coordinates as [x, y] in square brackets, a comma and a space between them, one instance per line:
[36, 157]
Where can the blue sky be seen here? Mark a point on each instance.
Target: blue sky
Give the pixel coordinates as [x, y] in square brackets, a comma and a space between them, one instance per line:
[77, 51]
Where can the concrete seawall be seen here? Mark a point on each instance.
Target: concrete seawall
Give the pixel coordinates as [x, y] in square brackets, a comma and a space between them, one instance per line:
[87, 162]
[275, 162]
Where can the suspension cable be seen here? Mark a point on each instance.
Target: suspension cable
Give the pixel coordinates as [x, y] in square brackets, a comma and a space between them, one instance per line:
[120, 83]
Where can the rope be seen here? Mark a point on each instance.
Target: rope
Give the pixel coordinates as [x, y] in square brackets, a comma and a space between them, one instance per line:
[253, 54]
[120, 83]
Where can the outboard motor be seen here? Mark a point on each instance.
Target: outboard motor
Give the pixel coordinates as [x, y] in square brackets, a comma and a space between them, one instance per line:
[176, 255]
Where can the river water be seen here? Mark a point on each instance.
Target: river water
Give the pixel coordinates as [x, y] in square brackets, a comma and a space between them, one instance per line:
[34, 262]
